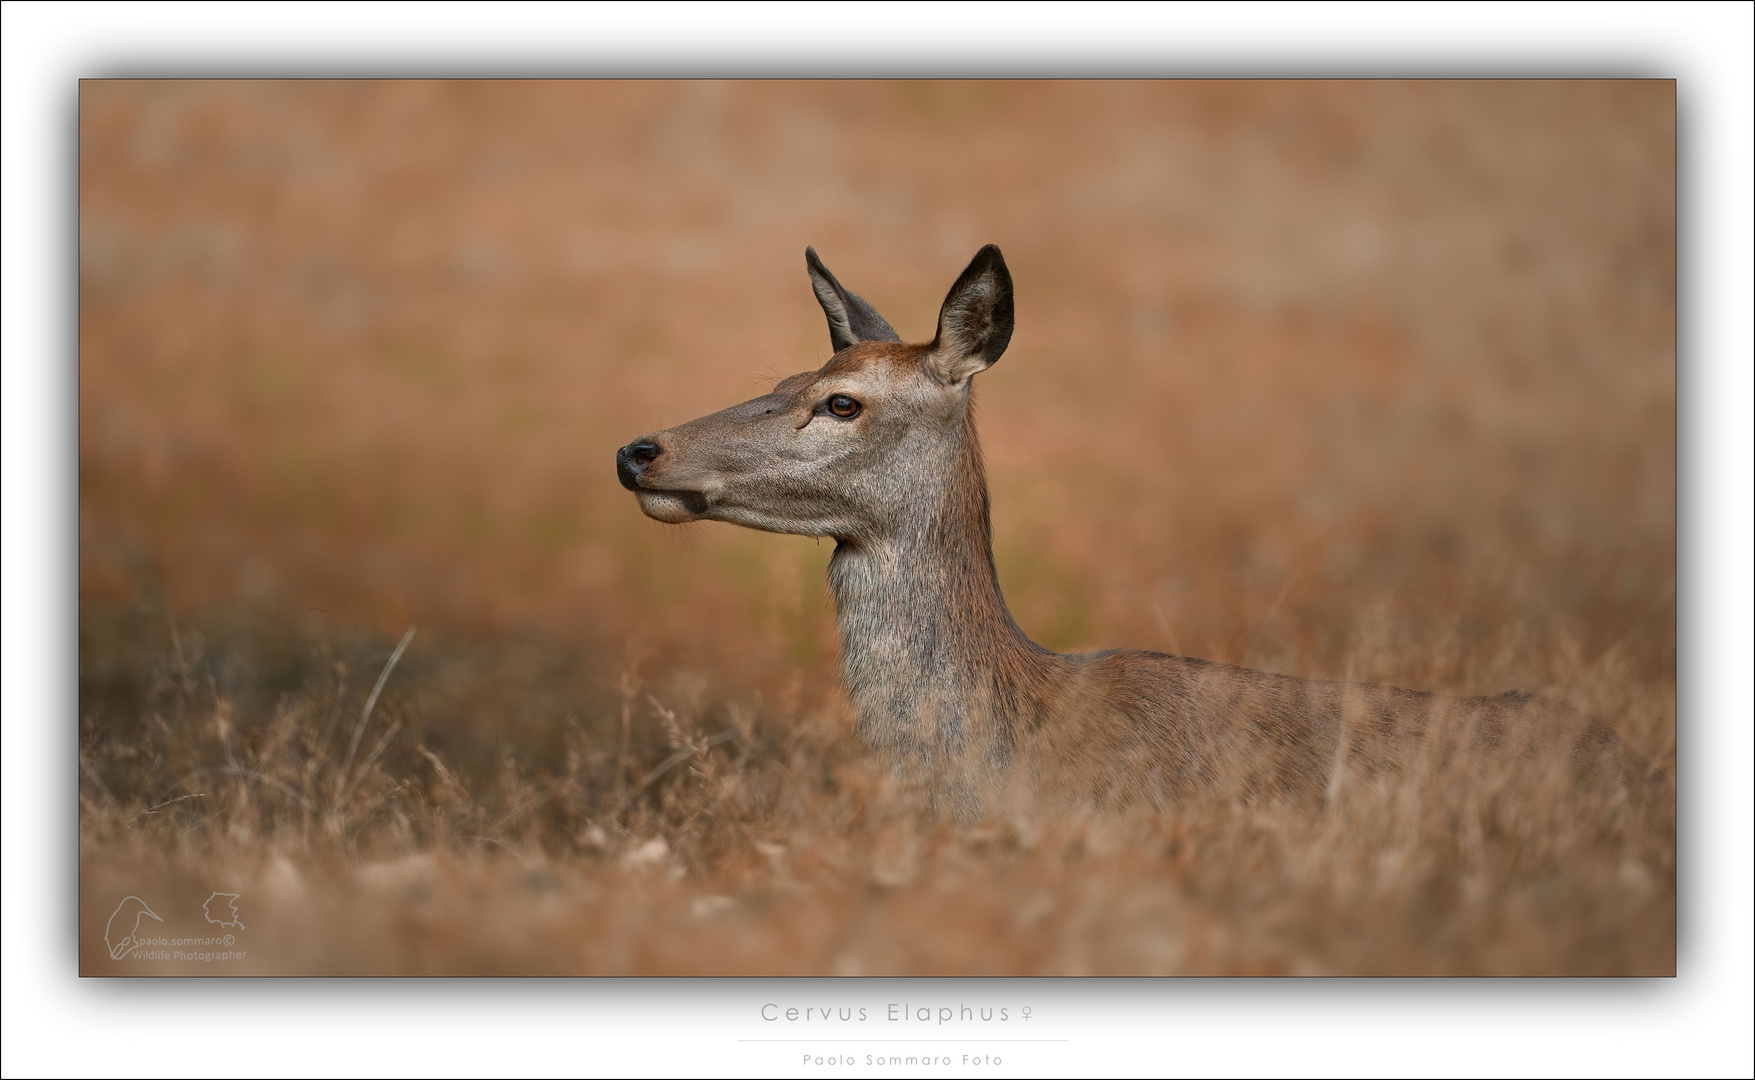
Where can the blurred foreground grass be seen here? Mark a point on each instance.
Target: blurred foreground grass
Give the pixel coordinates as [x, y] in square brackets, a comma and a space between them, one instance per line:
[508, 808]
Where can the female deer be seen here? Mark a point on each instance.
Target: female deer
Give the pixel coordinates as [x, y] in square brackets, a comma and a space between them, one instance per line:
[877, 449]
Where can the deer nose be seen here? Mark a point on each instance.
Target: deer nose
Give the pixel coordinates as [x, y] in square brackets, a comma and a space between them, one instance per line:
[633, 459]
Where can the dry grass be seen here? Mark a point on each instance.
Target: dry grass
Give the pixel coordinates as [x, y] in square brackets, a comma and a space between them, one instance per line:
[753, 836]
[1365, 381]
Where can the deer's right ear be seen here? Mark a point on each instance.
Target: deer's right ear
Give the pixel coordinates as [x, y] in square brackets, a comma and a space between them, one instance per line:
[975, 324]
[851, 320]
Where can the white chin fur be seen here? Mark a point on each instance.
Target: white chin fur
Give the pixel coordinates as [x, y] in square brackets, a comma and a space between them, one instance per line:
[664, 506]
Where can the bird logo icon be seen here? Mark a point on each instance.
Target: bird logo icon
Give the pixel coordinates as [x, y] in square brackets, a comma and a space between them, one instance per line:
[122, 932]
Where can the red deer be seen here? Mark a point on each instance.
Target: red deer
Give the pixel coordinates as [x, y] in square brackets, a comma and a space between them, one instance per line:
[877, 449]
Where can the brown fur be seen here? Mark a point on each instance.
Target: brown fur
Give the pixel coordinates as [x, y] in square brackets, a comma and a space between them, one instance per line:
[939, 674]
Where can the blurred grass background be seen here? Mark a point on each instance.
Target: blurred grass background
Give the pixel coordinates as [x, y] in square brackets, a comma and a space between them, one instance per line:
[1370, 380]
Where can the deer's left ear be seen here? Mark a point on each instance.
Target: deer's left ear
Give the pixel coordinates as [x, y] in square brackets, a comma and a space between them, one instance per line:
[975, 323]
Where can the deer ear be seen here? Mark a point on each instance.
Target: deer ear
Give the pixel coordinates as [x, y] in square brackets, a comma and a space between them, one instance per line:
[975, 324]
[851, 320]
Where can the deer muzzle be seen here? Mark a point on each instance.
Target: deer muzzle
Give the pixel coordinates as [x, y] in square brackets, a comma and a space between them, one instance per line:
[634, 459]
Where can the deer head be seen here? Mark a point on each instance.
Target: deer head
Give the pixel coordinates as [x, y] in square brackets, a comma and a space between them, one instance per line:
[854, 450]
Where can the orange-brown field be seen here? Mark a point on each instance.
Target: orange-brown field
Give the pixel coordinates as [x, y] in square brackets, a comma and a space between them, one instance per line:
[1369, 381]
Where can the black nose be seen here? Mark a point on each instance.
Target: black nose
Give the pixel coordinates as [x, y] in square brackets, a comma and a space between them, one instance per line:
[632, 460]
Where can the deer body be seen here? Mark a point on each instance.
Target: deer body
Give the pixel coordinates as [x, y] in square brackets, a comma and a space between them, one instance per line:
[878, 450]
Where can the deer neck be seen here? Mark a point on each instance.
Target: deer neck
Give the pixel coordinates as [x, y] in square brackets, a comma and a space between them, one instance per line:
[927, 644]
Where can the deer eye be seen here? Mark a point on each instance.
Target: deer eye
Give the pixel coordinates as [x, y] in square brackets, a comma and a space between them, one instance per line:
[843, 406]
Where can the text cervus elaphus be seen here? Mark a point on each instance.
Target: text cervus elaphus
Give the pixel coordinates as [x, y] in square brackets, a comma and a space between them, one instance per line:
[877, 449]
